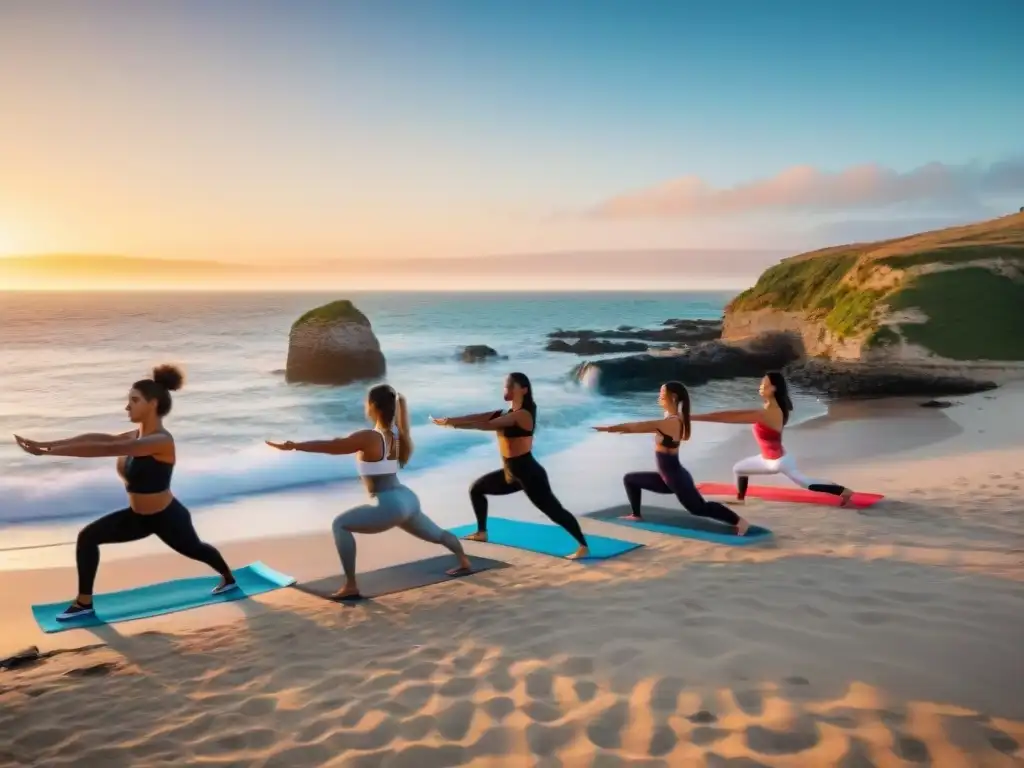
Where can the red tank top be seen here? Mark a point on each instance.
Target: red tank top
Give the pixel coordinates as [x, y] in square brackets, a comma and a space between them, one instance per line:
[769, 440]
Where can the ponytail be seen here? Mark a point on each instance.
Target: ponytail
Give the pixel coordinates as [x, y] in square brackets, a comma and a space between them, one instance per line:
[678, 390]
[391, 410]
[781, 394]
[404, 437]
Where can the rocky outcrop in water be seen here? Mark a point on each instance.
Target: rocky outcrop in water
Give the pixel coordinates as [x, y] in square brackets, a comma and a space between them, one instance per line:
[673, 331]
[848, 380]
[478, 353]
[592, 346]
[333, 344]
[699, 364]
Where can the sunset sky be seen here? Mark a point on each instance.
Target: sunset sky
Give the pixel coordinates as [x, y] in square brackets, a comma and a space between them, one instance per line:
[337, 131]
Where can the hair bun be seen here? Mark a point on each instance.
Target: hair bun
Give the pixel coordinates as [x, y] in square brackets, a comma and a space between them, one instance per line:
[169, 377]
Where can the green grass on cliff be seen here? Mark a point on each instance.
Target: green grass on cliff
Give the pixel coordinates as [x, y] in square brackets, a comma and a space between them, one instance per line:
[328, 313]
[974, 314]
[826, 284]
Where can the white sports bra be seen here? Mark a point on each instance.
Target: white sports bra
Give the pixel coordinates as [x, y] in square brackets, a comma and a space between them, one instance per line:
[385, 466]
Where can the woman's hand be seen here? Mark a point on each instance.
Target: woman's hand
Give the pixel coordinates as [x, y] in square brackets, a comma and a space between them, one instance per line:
[612, 428]
[287, 445]
[29, 446]
[444, 421]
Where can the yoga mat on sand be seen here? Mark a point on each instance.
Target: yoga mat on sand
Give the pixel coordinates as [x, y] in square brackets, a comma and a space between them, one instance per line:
[166, 597]
[399, 578]
[681, 523]
[545, 539]
[798, 495]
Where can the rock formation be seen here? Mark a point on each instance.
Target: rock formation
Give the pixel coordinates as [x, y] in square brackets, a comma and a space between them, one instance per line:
[937, 299]
[698, 365]
[477, 353]
[847, 380]
[592, 346]
[333, 344]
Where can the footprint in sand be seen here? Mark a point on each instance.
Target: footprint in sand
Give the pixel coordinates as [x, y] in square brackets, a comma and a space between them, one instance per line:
[454, 723]
[499, 707]
[663, 741]
[540, 684]
[802, 737]
[703, 717]
[750, 702]
[545, 740]
[543, 712]
[665, 694]
[458, 687]
[606, 730]
[912, 750]
[585, 690]
[95, 670]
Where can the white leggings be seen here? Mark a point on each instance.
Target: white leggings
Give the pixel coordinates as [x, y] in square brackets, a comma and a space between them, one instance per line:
[759, 465]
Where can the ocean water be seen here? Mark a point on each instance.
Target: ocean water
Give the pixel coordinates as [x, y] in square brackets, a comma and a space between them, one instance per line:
[67, 361]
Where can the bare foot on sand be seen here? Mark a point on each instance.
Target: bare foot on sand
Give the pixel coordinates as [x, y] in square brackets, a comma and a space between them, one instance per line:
[478, 536]
[579, 554]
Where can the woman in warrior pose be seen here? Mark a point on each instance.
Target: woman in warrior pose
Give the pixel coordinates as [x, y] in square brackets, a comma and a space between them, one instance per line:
[145, 461]
[768, 423]
[521, 472]
[381, 452]
[670, 431]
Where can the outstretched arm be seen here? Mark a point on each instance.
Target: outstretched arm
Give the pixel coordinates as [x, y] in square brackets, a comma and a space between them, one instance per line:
[465, 422]
[749, 416]
[120, 446]
[339, 446]
[636, 427]
[88, 437]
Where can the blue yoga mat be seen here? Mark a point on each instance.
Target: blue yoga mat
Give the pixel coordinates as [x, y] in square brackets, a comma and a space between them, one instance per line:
[673, 523]
[545, 539]
[166, 597]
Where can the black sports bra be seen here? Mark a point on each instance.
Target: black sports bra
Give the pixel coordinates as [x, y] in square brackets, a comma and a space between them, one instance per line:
[515, 430]
[146, 474]
[667, 441]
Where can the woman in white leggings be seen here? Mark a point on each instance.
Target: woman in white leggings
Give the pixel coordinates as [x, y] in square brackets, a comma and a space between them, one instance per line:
[381, 453]
[768, 423]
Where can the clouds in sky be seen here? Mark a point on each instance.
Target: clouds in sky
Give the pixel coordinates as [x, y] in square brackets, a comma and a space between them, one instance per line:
[808, 189]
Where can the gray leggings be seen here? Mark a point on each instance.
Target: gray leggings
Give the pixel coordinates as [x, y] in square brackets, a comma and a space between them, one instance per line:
[397, 507]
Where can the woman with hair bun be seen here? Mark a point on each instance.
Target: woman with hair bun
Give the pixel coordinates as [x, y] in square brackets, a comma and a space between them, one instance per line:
[145, 461]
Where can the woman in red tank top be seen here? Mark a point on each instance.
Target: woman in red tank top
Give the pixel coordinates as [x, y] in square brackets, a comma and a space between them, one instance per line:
[768, 423]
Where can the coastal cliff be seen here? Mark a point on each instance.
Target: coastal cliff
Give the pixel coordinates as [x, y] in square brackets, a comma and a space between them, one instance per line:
[945, 298]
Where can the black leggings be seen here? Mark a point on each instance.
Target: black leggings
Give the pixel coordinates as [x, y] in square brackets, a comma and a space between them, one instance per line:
[523, 473]
[672, 477]
[173, 526]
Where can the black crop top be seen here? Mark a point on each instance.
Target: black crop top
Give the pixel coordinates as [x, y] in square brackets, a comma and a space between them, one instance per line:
[667, 441]
[145, 474]
[515, 430]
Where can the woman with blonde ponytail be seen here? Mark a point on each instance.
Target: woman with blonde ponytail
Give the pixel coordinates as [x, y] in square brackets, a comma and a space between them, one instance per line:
[380, 452]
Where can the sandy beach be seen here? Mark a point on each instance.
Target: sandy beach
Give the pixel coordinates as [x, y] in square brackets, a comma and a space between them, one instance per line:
[886, 636]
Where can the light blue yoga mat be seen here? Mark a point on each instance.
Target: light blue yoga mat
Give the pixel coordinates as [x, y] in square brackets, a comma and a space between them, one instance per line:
[681, 523]
[545, 539]
[166, 597]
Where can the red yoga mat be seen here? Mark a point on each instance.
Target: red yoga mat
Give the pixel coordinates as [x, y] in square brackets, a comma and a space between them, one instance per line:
[798, 495]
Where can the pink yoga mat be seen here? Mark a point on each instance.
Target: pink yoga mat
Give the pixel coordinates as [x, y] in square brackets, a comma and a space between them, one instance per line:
[798, 495]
